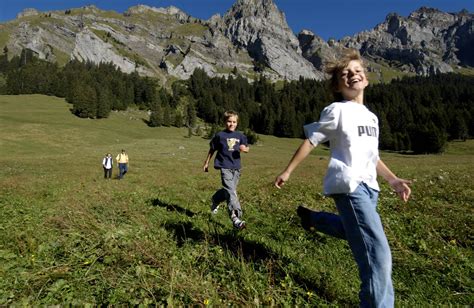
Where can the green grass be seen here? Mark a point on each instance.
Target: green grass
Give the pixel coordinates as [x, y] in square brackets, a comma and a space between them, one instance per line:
[69, 237]
[191, 29]
[4, 35]
[385, 73]
[469, 71]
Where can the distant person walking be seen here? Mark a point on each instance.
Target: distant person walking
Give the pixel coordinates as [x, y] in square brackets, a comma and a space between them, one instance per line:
[108, 163]
[351, 179]
[122, 161]
[228, 144]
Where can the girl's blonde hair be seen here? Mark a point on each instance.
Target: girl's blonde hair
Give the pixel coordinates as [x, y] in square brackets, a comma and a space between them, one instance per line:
[334, 68]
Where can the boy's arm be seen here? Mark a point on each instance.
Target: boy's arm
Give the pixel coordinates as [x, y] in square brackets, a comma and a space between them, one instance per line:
[208, 159]
[244, 148]
[303, 151]
[400, 186]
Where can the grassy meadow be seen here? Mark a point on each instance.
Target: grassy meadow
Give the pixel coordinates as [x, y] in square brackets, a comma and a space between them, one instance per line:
[67, 236]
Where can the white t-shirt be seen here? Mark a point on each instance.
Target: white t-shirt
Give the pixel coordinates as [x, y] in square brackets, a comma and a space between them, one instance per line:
[352, 131]
[107, 163]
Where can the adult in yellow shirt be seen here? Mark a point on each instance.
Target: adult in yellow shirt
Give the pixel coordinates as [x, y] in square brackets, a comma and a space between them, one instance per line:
[122, 161]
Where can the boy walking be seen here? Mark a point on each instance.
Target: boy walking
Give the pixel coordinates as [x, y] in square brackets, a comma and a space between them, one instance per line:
[228, 144]
[351, 179]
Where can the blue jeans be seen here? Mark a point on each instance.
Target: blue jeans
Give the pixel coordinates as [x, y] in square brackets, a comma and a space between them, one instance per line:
[359, 223]
[230, 179]
[123, 168]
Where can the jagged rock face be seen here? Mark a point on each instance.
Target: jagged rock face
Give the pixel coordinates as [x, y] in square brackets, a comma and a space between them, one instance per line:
[161, 42]
[463, 44]
[171, 10]
[27, 12]
[89, 47]
[252, 36]
[260, 28]
[315, 49]
[425, 42]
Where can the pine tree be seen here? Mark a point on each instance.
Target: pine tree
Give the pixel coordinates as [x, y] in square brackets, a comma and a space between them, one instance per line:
[167, 117]
[84, 100]
[190, 117]
[104, 102]
[156, 116]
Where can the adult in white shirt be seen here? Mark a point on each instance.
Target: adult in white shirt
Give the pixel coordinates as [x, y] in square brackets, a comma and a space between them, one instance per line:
[107, 164]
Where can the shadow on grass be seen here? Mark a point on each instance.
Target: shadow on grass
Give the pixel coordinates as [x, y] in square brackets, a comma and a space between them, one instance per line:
[172, 207]
[255, 252]
[250, 251]
[184, 231]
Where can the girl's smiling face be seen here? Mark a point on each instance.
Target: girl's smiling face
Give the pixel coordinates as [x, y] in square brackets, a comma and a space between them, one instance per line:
[231, 123]
[352, 81]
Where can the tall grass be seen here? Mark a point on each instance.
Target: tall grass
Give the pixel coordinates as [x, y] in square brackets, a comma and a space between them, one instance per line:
[70, 237]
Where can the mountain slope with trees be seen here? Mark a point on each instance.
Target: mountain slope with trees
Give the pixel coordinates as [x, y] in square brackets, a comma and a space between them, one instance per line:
[417, 114]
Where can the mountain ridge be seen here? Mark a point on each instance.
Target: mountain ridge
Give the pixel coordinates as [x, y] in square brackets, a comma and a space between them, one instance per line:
[252, 38]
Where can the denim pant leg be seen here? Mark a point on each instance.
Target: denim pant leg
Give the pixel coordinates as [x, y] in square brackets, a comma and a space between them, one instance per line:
[369, 245]
[328, 223]
[230, 180]
[120, 170]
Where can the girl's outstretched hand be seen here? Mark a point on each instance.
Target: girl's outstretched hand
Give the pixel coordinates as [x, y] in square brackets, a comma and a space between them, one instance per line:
[400, 186]
[281, 179]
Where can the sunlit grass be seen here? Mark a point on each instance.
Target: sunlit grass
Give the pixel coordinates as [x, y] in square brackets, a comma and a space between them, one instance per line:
[70, 237]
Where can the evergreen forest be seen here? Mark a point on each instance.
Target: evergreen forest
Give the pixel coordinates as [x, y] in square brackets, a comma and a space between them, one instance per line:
[416, 114]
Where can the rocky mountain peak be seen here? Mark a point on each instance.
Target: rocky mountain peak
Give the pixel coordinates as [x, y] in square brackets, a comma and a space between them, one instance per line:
[141, 8]
[425, 42]
[426, 13]
[252, 36]
[247, 16]
[27, 12]
[259, 27]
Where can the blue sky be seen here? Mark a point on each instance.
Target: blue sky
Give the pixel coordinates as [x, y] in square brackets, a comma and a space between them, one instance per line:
[326, 18]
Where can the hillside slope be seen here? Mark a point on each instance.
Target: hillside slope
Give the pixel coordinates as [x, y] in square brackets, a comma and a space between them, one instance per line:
[69, 237]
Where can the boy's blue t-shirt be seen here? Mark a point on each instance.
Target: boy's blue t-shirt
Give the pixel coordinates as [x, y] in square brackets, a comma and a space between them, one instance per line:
[226, 144]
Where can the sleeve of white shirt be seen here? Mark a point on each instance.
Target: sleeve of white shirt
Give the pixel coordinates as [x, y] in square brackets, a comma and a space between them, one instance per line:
[322, 131]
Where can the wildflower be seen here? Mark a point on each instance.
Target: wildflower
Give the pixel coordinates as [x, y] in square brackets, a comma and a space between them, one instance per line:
[206, 302]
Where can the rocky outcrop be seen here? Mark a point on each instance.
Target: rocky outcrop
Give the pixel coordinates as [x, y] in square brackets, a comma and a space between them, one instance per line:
[89, 47]
[428, 41]
[252, 38]
[28, 12]
[258, 27]
[315, 49]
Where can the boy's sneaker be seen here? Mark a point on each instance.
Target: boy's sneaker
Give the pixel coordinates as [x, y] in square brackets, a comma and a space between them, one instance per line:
[239, 224]
[305, 215]
[214, 208]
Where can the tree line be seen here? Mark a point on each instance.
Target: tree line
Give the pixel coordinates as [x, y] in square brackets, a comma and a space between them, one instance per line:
[418, 114]
[92, 90]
